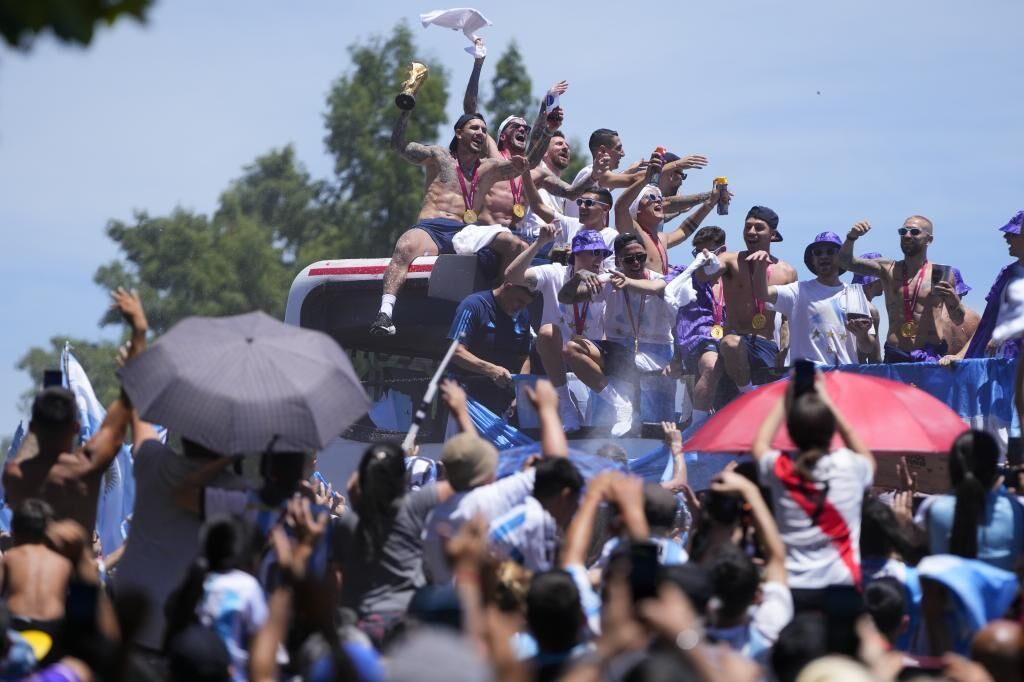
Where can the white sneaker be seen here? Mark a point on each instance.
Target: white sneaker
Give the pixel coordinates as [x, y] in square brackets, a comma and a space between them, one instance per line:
[570, 415]
[623, 411]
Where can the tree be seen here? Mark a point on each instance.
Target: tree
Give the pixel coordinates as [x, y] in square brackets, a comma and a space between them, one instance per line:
[378, 194]
[72, 22]
[510, 89]
[98, 359]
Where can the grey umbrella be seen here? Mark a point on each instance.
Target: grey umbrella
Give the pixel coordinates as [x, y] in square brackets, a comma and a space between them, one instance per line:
[235, 384]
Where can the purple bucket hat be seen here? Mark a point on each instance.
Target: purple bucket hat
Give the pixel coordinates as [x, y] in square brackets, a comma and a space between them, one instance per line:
[1013, 227]
[822, 238]
[864, 280]
[588, 240]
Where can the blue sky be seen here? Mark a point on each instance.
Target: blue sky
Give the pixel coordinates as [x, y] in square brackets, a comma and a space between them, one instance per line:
[827, 112]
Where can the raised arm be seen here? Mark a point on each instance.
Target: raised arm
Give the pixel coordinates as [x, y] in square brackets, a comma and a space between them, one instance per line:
[454, 397]
[544, 126]
[769, 427]
[469, 99]
[674, 441]
[553, 442]
[843, 427]
[861, 266]
[540, 209]
[624, 222]
[681, 203]
[597, 175]
[581, 530]
[413, 152]
[518, 271]
[731, 483]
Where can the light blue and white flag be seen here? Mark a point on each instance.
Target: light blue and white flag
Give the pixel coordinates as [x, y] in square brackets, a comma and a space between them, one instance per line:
[117, 491]
[5, 511]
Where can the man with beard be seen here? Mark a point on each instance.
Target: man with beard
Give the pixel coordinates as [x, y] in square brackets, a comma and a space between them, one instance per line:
[639, 313]
[829, 322]
[458, 180]
[606, 142]
[749, 335]
[562, 322]
[914, 303]
[640, 210]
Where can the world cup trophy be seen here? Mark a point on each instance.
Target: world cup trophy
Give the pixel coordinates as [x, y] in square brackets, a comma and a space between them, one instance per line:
[406, 100]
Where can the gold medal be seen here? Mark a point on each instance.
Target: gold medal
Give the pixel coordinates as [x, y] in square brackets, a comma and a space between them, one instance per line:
[469, 217]
[518, 210]
[758, 321]
[909, 329]
[717, 332]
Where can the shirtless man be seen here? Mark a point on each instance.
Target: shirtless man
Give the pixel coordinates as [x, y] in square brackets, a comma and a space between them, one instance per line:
[35, 578]
[913, 303]
[458, 180]
[50, 465]
[640, 210]
[749, 341]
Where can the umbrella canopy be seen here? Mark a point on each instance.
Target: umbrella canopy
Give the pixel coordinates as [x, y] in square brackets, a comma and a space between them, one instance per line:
[888, 416]
[246, 384]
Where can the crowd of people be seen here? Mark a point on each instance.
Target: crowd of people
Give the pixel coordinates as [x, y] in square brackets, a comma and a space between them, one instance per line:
[614, 308]
[790, 567]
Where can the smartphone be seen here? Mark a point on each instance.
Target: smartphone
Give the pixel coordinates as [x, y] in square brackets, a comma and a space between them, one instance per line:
[643, 572]
[803, 377]
[940, 273]
[52, 377]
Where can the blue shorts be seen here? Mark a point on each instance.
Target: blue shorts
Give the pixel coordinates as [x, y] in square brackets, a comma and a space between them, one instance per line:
[692, 361]
[761, 354]
[930, 353]
[441, 231]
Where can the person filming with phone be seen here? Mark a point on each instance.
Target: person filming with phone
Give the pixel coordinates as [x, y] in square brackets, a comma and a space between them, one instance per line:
[816, 492]
[829, 321]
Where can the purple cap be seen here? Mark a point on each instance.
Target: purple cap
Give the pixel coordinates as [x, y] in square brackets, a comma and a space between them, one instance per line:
[864, 280]
[1013, 227]
[588, 240]
[822, 238]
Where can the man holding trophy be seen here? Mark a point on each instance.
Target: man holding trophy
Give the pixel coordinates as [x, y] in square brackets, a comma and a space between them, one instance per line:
[458, 179]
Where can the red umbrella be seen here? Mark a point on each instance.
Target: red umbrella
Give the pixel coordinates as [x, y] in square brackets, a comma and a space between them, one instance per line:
[889, 416]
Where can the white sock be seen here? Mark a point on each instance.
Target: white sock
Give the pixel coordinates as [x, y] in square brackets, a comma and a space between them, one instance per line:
[611, 395]
[747, 388]
[564, 397]
[387, 304]
[698, 417]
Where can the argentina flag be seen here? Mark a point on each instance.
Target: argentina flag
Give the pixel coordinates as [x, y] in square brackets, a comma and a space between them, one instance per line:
[117, 490]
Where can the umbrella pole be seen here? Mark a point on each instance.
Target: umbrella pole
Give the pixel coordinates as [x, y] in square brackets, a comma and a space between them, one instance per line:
[428, 396]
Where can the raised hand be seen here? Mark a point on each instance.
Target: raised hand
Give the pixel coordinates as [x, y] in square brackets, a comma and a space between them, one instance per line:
[558, 88]
[520, 164]
[602, 165]
[543, 395]
[453, 395]
[946, 293]
[546, 234]
[129, 305]
[858, 230]
[729, 482]
[693, 161]
[654, 165]
[673, 438]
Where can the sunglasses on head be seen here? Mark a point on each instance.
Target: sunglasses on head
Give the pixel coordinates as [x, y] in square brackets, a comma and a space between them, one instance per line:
[913, 231]
[589, 203]
[635, 259]
[824, 251]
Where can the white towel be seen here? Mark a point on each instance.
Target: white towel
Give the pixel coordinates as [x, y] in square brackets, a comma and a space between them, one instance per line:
[472, 238]
[634, 208]
[463, 19]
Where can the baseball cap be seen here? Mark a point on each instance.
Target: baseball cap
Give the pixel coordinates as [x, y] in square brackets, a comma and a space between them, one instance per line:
[469, 461]
[769, 216]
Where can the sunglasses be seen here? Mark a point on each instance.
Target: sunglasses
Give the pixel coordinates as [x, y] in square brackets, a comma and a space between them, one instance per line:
[826, 251]
[635, 259]
[654, 198]
[589, 203]
[513, 126]
[913, 231]
[717, 251]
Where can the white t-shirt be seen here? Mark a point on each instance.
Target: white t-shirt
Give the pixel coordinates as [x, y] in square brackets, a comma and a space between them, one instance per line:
[527, 534]
[447, 518]
[755, 638]
[814, 559]
[817, 320]
[654, 315]
[529, 226]
[234, 607]
[551, 278]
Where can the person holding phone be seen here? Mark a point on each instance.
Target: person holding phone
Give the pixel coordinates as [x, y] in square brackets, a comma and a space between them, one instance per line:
[913, 302]
[829, 321]
[816, 492]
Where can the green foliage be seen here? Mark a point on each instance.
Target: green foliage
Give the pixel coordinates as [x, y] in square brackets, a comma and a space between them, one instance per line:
[72, 21]
[378, 194]
[510, 89]
[99, 360]
[579, 157]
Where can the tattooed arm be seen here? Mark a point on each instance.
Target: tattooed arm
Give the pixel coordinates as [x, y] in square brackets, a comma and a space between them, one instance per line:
[413, 152]
[543, 127]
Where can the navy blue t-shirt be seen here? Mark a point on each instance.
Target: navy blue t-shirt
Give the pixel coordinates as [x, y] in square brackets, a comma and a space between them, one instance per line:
[494, 336]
